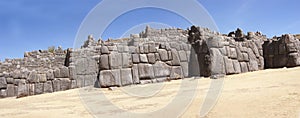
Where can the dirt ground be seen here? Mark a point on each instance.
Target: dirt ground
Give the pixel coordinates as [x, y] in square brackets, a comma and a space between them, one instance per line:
[263, 94]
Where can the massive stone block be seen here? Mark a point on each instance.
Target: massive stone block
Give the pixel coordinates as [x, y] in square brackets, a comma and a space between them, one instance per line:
[126, 60]
[56, 85]
[126, 77]
[3, 83]
[50, 75]
[104, 50]
[9, 80]
[3, 93]
[237, 66]
[161, 69]
[23, 88]
[85, 66]
[48, 88]
[175, 58]
[38, 88]
[135, 74]
[110, 78]
[135, 58]
[42, 77]
[185, 68]
[33, 77]
[182, 56]
[151, 58]
[152, 48]
[10, 90]
[143, 58]
[145, 71]
[115, 60]
[176, 72]
[229, 66]
[244, 67]
[65, 84]
[104, 62]
[217, 62]
[163, 54]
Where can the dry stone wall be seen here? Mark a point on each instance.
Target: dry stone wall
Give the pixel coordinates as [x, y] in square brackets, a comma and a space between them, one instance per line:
[220, 55]
[282, 51]
[149, 57]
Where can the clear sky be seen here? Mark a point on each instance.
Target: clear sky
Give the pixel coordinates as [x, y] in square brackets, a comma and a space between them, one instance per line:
[27, 25]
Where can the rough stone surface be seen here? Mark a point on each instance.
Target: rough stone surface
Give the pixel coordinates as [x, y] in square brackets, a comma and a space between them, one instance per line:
[217, 62]
[229, 66]
[161, 69]
[56, 85]
[126, 77]
[110, 78]
[135, 58]
[176, 72]
[182, 56]
[48, 88]
[115, 60]
[163, 54]
[10, 90]
[104, 63]
[145, 71]
[175, 58]
[33, 78]
[23, 89]
[38, 88]
[154, 55]
[65, 84]
[3, 93]
[3, 83]
[143, 58]
[135, 74]
[151, 58]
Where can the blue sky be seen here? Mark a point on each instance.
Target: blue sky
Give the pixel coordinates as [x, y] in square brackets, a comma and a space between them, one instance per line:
[27, 25]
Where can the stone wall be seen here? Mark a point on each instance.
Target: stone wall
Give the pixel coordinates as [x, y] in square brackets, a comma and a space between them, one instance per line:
[223, 55]
[149, 57]
[282, 51]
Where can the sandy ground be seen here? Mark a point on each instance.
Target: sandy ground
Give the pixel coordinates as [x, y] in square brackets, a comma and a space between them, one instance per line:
[267, 93]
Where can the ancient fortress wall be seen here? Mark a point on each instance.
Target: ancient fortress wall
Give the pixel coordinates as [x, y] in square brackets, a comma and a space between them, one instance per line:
[149, 57]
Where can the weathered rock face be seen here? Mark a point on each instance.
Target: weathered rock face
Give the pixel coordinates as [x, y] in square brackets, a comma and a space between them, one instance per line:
[149, 57]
